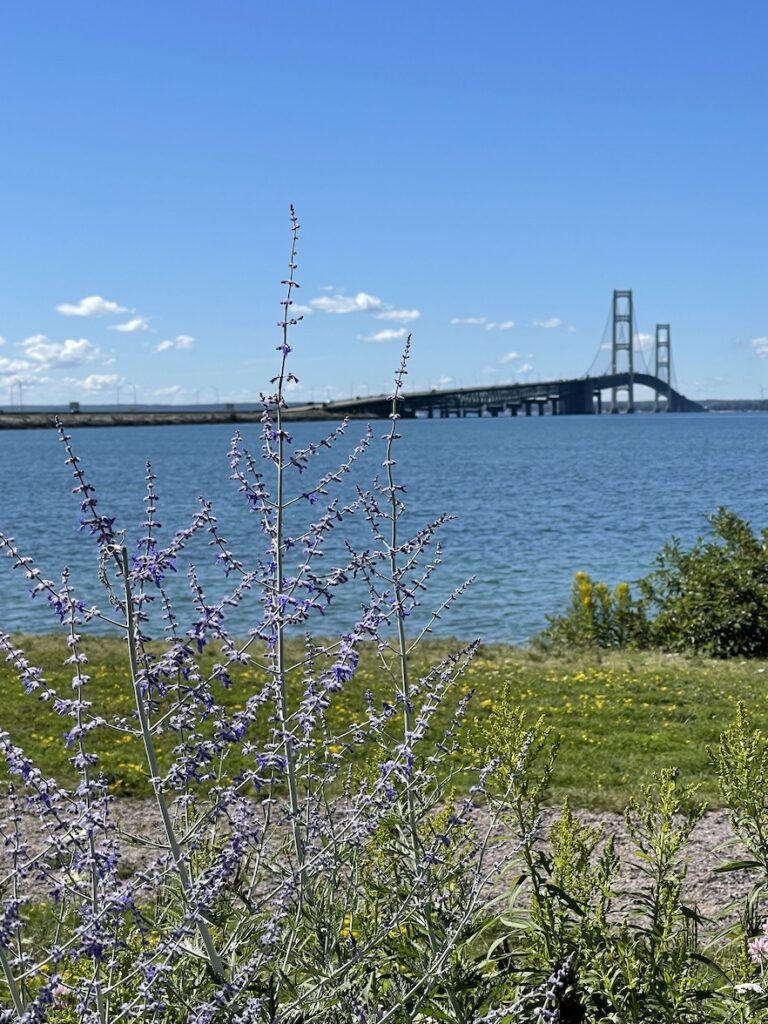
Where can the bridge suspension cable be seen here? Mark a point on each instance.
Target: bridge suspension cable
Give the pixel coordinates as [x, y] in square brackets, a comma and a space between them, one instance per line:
[639, 344]
[602, 346]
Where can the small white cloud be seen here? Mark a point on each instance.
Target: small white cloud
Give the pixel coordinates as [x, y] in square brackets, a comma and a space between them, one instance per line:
[385, 335]
[470, 321]
[525, 368]
[299, 310]
[360, 303]
[509, 357]
[2, 341]
[92, 305]
[93, 383]
[328, 288]
[643, 341]
[571, 329]
[48, 354]
[136, 323]
[504, 325]
[760, 345]
[442, 381]
[181, 341]
[12, 367]
[402, 315]
[554, 321]
[173, 391]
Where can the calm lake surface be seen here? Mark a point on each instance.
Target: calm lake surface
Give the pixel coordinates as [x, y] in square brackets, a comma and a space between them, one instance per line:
[536, 500]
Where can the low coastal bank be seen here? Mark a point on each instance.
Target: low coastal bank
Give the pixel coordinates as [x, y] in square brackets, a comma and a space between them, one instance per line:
[142, 418]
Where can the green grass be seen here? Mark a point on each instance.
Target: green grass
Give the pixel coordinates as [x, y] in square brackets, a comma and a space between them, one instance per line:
[621, 716]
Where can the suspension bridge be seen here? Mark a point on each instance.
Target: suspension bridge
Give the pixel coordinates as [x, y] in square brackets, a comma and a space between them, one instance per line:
[612, 390]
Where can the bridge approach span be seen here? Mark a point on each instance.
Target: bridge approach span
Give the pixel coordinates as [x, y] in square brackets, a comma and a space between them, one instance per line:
[582, 396]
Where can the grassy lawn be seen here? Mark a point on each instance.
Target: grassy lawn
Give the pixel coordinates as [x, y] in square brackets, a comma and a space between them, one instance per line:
[621, 716]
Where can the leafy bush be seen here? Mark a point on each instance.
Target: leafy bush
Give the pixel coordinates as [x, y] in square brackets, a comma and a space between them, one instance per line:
[711, 599]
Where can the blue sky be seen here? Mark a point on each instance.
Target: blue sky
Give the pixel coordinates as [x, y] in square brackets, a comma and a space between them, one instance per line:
[480, 175]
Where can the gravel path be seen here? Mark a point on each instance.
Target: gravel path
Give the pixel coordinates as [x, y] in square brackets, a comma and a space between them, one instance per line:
[704, 889]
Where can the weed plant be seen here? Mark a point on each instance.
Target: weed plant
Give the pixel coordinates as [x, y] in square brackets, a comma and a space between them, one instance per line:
[289, 881]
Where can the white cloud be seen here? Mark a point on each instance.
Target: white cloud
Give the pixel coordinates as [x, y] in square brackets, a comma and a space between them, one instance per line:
[181, 341]
[504, 325]
[509, 357]
[760, 345]
[360, 303]
[385, 335]
[92, 305]
[554, 321]
[170, 392]
[136, 323]
[643, 341]
[299, 310]
[401, 315]
[94, 382]
[525, 368]
[442, 381]
[2, 341]
[471, 321]
[13, 366]
[49, 354]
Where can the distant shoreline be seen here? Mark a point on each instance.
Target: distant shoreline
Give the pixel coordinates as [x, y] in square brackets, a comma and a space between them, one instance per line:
[168, 417]
[38, 420]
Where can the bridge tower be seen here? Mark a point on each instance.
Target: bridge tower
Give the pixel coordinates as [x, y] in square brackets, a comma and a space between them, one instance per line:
[662, 365]
[622, 341]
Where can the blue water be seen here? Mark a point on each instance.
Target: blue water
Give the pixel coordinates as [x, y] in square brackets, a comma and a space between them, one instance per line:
[536, 500]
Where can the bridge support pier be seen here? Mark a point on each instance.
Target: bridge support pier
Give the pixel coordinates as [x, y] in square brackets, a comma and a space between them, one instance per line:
[663, 369]
[623, 342]
[575, 398]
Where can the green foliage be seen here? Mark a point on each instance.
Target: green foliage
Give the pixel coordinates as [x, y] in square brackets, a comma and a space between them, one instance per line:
[598, 617]
[741, 763]
[633, 955]
[710, 599]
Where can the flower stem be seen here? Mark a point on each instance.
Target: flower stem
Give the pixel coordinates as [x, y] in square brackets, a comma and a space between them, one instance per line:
[214, 958]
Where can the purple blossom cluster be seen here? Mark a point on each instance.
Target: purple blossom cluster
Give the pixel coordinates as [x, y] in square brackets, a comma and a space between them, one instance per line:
[233, 905]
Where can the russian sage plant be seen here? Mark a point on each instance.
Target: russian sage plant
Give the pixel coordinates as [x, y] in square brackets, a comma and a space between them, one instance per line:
[279, 884]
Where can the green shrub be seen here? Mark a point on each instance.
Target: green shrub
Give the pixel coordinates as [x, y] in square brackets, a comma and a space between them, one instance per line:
[709, 599]
[712, 598]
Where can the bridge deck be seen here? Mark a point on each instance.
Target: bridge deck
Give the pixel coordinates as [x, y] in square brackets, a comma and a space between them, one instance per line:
[581, 396]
